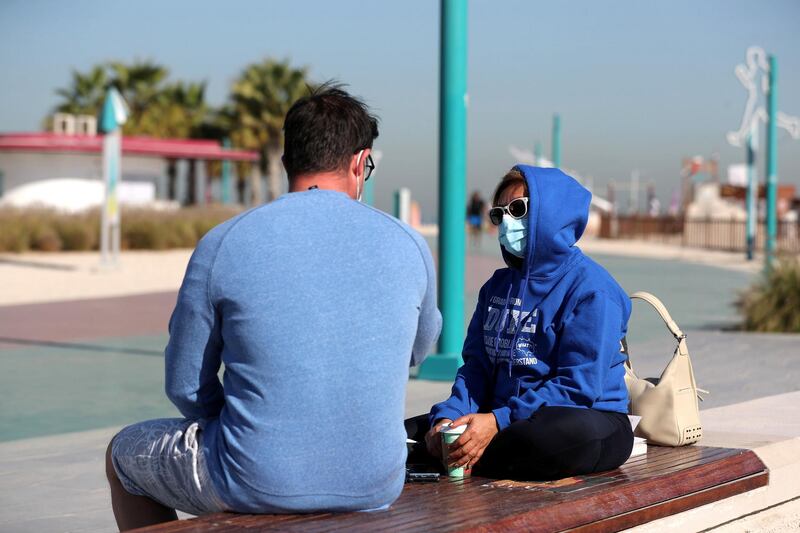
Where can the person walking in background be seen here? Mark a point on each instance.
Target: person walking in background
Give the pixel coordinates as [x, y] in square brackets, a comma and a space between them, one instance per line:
[316, 304]
[542, 387]
[476, 210]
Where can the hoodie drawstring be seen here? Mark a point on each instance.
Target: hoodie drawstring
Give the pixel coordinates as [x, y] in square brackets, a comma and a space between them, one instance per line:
[520, 323]
[501, 324]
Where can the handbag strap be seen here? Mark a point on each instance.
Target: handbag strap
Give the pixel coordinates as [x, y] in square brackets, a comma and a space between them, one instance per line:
[662, 311]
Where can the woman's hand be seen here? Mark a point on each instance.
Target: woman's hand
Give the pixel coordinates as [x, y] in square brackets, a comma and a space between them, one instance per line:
[470, 445]
[433, 441]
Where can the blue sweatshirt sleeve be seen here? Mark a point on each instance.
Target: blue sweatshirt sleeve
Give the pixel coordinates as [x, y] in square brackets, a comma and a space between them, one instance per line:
[192, 357]
[429, 325]
[589, 339]
[472, 379]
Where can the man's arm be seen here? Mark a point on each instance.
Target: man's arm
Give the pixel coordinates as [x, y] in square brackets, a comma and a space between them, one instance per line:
[469, 391]
[192, 357]
[430, 319]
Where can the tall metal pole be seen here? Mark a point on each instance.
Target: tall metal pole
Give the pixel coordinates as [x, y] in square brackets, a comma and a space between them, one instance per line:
[452, 189]
[752, 190]
[225, 182]
[772, 160]
[113, 116]
[557, 140]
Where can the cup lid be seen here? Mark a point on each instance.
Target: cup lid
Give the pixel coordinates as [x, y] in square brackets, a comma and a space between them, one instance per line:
[455, 430]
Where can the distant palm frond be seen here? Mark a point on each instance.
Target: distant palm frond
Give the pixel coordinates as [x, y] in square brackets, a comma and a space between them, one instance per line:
[158, 108]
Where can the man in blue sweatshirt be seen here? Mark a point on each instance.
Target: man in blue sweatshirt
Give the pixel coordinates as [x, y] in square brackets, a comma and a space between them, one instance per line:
[316, 305]
[542, 386]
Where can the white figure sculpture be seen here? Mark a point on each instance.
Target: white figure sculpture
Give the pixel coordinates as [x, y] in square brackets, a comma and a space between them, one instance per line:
[754, 76]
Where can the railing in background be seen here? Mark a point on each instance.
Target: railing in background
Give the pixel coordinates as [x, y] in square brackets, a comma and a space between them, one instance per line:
[712, 234]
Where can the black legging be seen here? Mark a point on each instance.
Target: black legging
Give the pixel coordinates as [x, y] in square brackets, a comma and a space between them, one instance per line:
[555, 442]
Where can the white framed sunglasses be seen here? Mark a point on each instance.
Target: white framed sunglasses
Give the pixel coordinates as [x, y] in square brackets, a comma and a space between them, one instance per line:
[516, 208]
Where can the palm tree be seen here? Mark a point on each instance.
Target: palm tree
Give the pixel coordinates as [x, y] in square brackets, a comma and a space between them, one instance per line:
[260, 98]
[140, 85]
[85, 93]
[157, 108]
[176, 111]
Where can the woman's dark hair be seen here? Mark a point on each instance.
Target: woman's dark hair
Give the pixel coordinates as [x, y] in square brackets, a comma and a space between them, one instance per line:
[512, 177]
[323, 130]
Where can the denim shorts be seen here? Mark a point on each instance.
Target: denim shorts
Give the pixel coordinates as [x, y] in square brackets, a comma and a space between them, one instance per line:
[163, 459]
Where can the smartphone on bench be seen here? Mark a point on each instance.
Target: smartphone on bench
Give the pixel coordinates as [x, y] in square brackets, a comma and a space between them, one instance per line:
[421, 474]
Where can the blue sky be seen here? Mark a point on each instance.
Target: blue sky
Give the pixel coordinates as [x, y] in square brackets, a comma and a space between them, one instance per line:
[639, 85]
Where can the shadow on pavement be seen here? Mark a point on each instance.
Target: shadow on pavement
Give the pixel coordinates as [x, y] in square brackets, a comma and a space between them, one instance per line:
[81, 346]
[36, 264]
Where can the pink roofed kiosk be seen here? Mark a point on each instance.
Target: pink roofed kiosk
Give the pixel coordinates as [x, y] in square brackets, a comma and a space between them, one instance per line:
[176, 169]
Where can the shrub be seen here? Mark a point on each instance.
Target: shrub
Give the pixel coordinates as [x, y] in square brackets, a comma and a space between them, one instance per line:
[140, 233]
[79, 233]
[181, 234]
[41, 229]
[46, 239]
[13, 236]
[772, 304]
[19, 229]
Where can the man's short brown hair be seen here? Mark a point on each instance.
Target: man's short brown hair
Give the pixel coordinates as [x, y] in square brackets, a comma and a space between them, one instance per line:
[323, 130]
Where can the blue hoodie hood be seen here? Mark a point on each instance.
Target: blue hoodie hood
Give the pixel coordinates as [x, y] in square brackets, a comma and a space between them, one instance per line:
[558, 210]
[548, 333]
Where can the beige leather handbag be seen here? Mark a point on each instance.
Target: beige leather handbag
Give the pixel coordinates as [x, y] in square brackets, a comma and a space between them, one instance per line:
[668, 406]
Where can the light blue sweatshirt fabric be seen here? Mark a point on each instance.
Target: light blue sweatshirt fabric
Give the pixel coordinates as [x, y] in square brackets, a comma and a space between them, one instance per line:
[317, 305]
[548, 334]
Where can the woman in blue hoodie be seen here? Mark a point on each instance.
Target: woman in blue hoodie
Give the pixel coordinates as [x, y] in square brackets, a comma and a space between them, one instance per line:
[542, 386]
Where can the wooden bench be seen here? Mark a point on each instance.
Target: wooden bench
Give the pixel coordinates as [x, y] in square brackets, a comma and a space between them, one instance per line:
[663, 482]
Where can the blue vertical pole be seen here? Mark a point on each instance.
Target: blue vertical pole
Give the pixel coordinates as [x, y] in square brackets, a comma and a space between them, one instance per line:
[752, 191]
[225, 182]
[557, 140]
[452, 189]
[772, 161]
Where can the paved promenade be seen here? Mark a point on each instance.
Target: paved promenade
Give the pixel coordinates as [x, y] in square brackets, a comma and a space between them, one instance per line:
[49, 277]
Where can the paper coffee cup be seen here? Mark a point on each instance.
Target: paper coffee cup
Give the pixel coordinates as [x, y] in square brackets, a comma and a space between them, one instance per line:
[449, 436]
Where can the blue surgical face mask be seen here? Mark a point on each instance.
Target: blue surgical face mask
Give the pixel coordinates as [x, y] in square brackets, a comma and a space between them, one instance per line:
[513, 235]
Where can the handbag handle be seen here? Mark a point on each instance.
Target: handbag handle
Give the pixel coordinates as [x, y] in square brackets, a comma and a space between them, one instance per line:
[662, 311]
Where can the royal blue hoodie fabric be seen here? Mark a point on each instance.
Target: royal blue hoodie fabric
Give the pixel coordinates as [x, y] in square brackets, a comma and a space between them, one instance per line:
[548, 334]
[316, 305]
